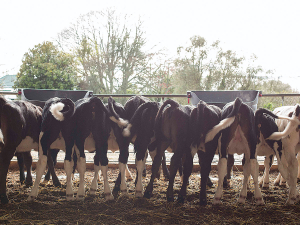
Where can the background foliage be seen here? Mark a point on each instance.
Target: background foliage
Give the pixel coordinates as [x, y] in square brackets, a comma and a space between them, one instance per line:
[107, 52]
[45, 67]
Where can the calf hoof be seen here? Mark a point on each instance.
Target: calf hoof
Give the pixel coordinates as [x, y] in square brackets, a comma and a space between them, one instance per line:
[282, 184]
[56, 183]
[147, 194]
[260, 201]
[180, 199]
[22, 180]
[138, 194]
[108, 196]
[203, 202]
[170, 198]
[210, 184]
[226, 184]
[80, 197]
[28, 183]
[124, 192]
[217, 201]
[70, 197]
[242, 199]
[4, 199]
[265, 186]
[30, 198]
[47, 177]
[92, 191]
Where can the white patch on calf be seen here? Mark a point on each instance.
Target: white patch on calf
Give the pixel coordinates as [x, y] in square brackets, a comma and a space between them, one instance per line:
[263, 149]
[59, 143]
[126, 131]
[27, 144]
[112, 142]
[239, 143]
[89, 143]
[194, 150]
[55, 110]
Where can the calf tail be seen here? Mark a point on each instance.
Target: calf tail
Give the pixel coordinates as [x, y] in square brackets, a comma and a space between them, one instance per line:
[62, 109]
[157, 125]
[113, 116]
[200, 119]
[260, 112]
[137, 116]
[225, 122]
[294, 122]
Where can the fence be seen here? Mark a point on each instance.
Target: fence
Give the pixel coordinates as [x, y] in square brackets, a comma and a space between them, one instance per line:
[164, 96]
[113, 157]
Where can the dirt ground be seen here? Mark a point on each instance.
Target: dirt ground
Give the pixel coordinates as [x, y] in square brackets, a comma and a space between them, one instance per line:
[51, 206]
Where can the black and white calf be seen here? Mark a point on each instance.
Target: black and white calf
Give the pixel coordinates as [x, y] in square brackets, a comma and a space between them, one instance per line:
[57, 132]
[237, 136]
[127, 112]
[203, 119]
[95, 132]
[265, 126]
[20, 125]
[140, 131]
[285, 137]
[83, 125]
[171, 132]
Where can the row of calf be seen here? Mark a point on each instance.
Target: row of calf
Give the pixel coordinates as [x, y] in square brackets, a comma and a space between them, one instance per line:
[152, 127]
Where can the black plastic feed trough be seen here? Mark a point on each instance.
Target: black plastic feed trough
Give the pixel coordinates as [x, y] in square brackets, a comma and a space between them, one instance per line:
[221, 98]
[40, 96]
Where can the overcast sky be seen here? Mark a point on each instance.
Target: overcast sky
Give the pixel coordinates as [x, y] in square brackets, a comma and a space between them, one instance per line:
[269, 29]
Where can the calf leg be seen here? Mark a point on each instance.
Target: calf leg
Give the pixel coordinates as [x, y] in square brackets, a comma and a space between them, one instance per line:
[206, 160]
[230, 163]
[264, 183]
[246, 171]
[21, 166]
[6, 155]
[187, 170]
[139, 186]
[155, 167]
[51, 161]
[81, 167]
[40, 169]
[292, 181]
[104, 167]
[298, 159]
[28, 163]
[68, 165]
[221, 175]
[165, 168]
[175, 161]
[254, 172]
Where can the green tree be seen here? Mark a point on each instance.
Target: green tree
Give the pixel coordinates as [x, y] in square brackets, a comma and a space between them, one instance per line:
[190, 65]
[45, 67]
[208, 67]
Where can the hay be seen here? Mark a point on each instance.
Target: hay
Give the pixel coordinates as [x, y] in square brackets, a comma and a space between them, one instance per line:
[51, 206]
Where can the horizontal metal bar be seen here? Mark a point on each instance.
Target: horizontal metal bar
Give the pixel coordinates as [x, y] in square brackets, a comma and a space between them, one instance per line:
[161, 95]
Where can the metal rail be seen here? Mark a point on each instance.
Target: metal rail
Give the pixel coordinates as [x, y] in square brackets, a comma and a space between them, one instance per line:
[163, 95]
